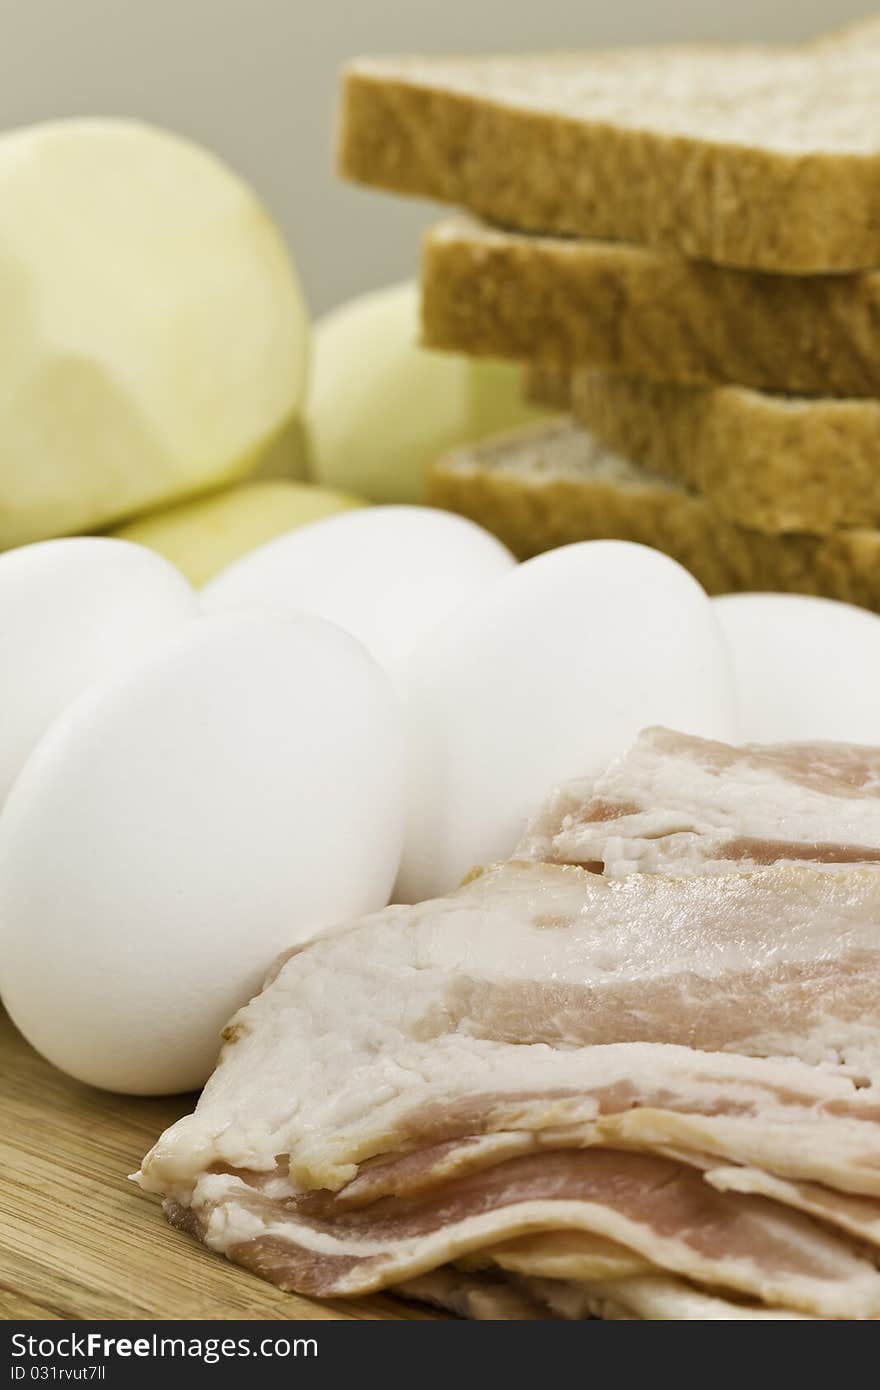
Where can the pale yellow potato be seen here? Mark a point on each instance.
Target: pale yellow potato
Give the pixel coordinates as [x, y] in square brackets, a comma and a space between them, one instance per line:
[286, 456]
[381, 408]
[153, 338]
[205, 535]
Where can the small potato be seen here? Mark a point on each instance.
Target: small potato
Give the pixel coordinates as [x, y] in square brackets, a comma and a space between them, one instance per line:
[153, 338]
[381, 408]
[205, 535]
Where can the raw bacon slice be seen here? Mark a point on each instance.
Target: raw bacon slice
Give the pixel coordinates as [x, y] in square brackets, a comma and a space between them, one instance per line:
[858, 1216]
[663, 1211]
[471, 1014]
[562, 1255]
[835, 1154]
[474, 1296]
[533, 1054]
[657, 1297]
[678, 804]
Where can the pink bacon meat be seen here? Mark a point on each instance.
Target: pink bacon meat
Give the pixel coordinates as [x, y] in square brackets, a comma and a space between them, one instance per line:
[674, 804]
[550, 1050]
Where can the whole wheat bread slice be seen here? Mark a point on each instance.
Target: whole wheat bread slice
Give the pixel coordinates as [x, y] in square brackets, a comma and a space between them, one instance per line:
[648, 313]
[550, 387]
[554, 483]
[773, 463]
[751, 156]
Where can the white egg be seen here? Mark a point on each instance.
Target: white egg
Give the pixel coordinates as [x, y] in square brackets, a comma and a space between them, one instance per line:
[72, 612]
[806, 668]
[182, 824]
[543, 678]
[386, 574]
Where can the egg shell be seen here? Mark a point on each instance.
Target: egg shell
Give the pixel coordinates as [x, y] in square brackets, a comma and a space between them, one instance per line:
[181, 825]
[806, 668]
[73, 612]
[386, 574]
[543, 678]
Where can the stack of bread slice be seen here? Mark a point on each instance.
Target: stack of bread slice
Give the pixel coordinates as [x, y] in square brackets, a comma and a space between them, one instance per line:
[684, 243]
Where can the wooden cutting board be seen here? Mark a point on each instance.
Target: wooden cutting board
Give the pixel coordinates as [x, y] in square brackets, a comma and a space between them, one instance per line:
[77, 1240]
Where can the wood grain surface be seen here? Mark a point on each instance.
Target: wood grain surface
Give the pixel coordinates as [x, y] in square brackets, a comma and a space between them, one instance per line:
[78, 1240]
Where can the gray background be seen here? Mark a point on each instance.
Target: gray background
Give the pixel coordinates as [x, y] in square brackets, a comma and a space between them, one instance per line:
[256, 81]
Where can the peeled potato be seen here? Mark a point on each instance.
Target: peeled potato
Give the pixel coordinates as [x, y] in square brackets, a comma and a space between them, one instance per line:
[381, 408]
[286, 456]
[153, 337]
[202, 537]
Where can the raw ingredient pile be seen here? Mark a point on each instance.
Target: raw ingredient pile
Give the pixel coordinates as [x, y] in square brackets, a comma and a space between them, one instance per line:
[613, 1049]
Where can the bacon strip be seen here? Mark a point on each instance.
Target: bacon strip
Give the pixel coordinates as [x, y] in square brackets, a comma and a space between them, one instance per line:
[549, 1050]
[661, 1210]
[678, 804]
[377, 1031]
[656, 1297]
[858, 1216]
[573, 1255]
[474, 1296]
[836, 1154]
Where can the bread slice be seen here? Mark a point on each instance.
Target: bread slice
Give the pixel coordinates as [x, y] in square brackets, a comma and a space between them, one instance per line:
[774, 463]
[623, 308]
[754, 156]
[555, 483]
[545, 386]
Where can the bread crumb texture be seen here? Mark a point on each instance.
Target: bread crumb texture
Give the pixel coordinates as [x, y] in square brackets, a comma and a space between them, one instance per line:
[555, 483]
[774, 463]
[752, 156]
[646, 313]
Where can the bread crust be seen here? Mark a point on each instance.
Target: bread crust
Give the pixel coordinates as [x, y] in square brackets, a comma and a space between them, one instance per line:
[798, 212]
[550, 387]
[647, 313]
[773, 463]
[536, 508]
